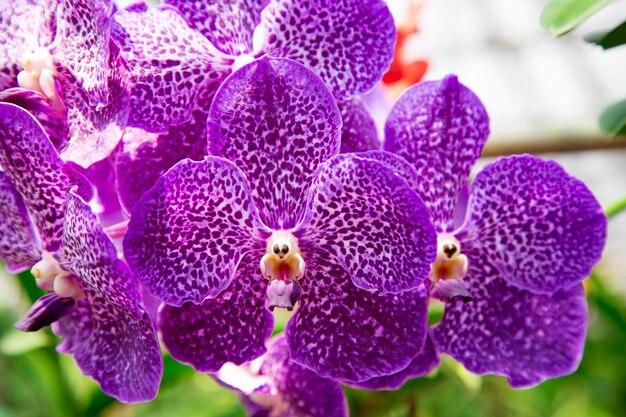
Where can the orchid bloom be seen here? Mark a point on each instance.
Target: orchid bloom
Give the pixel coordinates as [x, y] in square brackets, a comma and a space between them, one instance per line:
[175, 74]
[94, 302]
[72, 77]
[513, 247]
[275, 386]
[276, 217]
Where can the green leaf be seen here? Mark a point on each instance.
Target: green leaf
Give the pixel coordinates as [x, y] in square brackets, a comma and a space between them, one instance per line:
[561, 16]
[609, 38]
[17, 343]
[613, 119]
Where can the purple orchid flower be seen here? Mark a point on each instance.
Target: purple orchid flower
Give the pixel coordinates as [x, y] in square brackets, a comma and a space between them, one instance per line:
[72, 77]
[509, 273]
[348, 44]
[274, 385]
[276, 217]
[93, 302]
[176, 74]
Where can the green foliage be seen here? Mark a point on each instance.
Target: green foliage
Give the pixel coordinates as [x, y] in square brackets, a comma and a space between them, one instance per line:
[561, 16]
[36, 381]
[613, 119]
[609, 38]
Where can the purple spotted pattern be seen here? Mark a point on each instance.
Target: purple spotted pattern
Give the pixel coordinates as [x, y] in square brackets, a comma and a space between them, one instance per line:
[81, 45]
[235, 323]
[549, 230]
[512, 332]
[173, 69]
[175, 242]
[109, 334]
[300, 391]
[23, 146]
[291, 125]
[358, 133]
[348, 43]
[114, 348]
[531, 233]
[440, 127]
[274, 385]
[227, 24]
[142, 157]
[47, 21]
[376, 228]
[37, 104]
[359, 334]
[19, 244]
[88, 253]
[18, 18]
[187, 235]
[421, 365]
[91, 79]
[94, 132]
[398, 165]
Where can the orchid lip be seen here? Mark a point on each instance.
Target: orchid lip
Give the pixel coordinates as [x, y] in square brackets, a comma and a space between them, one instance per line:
[283, 266]
[451, 263]
[282, 260]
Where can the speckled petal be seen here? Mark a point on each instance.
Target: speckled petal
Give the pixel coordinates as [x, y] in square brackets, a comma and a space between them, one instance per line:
[372, 223]
[143, 157]
[398, 165]
[37, 104]
[47, 24]
[172, 73]
[345, 333]
[228, 24]
[542, 228]
[19, 244]
[301, 391]
[121, 353]
[230, 328]
[19, 19]
[422, 365]
[440, 127]
[34, 168]
[88, 253]
[349, 43]
[187, 235]
[81, 45]
[94, 132]
[512, 332]
[277, 121]
[358, 133]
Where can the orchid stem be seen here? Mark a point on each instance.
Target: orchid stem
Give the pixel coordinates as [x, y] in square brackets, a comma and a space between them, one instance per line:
[616, 208]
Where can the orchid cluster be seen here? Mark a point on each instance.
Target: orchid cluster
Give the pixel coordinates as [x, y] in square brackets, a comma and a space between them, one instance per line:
[183, 170]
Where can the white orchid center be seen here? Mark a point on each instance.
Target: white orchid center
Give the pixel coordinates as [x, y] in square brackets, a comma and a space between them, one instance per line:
[450, 263]
[242, 60]
[50, 276]
[282, 260]
[39, 75]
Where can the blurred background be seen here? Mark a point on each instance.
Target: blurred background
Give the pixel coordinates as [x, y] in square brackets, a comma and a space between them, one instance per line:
[544, 95]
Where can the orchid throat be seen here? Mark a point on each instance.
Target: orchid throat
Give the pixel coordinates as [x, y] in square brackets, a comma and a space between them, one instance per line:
[450, 263]
[283, 266]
